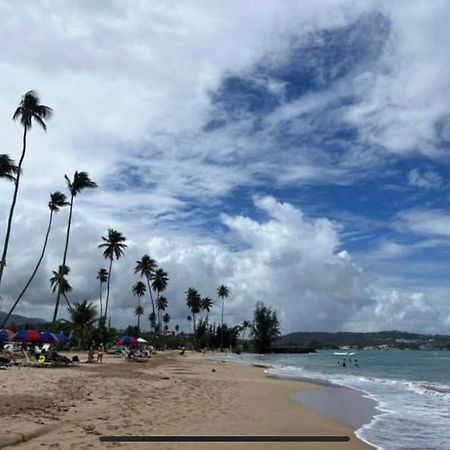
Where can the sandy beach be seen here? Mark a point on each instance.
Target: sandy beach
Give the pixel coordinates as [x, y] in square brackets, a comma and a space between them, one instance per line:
[69, 408]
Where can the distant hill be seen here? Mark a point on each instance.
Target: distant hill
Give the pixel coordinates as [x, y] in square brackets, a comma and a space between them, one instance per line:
[399, 339]
[17, 320]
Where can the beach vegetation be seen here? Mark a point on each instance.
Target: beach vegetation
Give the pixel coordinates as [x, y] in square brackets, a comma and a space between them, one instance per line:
[266, 327]
[83, 316]
[8, 168]
[146, 267]
[223, 292]
[102, 277]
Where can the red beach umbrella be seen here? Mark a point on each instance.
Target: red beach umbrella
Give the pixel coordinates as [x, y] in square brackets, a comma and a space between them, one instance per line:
[127, 340]
[27, 336]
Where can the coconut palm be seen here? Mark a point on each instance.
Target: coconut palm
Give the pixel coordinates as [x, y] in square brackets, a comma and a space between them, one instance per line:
[159, 284]
[152, 319]
[57, 201]
[139, 290]
[79, 183]
[161, 305]
[223, 292]
[8, 169]
[177, 328]
[58, 282]
[114, 246]
[146, 267]
[28, 111]
[139, 311]
[246, 325]
[83, 315]
[189, 319]
[166, 319]
[194, 302]
[206, 305]
[102, 277]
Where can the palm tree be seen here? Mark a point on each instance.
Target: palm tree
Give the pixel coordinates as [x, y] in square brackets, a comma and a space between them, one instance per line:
[161, 305]
[114, 246]
[8, 169]
[80, 182]
[29, 110]
[152, 319]
[102, 277]
[189, 319]
[146, 267]
[57, 201]
[59, 283]
[159, 284]
[166, 319]
[246, 325]
[194, 302]
[177, 328]
[139, 311]
[139, 290]
[206, 305]
[222, 292]
[83, 315]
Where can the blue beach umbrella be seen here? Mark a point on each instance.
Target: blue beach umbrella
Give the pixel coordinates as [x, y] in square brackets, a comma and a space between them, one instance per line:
[53, 338]
[127, 340]
[5, 335]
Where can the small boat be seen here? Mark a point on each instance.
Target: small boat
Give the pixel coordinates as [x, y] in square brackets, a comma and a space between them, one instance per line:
[344, 353]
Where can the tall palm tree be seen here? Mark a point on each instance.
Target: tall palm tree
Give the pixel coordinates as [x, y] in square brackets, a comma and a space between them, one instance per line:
[194, 303]
[146, 267]
[152, 320]
[206, 305]
[57, 201]
[80, 182]
[114, 246]
[28, 111]
[139, 290]
[189, 319]
[139, 311]
[59, 283]
[161, 305]
[159, 284]
[102, 277]
[177, 328]
[8, 168]
[83, 315]
[166, 319]
[223, 292]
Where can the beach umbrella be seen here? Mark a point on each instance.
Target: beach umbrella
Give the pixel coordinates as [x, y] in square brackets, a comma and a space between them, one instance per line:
[127, 340]
[62, 339]
[5, 335]
[50, 338]
[27, 336]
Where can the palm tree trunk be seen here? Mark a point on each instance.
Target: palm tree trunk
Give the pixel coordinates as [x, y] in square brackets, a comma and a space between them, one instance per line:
[107, 289]
[101, 304]
[195, 331]
[151, 296]
[69, 223]
[221, 328]
[13, 205]
[33, 274]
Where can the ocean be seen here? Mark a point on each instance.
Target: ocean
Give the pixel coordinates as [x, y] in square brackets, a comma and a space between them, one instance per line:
[411, 388]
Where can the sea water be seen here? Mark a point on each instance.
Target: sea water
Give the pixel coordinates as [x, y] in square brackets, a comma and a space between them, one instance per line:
[412, 389]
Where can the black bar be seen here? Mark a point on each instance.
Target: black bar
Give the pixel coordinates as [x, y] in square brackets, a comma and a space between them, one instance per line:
[189, 438]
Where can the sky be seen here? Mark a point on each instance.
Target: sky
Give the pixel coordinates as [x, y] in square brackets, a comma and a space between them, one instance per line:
[297, 152]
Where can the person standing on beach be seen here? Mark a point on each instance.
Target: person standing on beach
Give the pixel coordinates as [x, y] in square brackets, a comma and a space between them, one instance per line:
[100, 351]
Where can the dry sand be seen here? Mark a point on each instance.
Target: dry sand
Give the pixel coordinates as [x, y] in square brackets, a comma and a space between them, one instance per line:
[69, 408]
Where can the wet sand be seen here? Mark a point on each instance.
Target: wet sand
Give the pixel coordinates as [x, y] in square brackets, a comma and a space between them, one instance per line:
[69, 408]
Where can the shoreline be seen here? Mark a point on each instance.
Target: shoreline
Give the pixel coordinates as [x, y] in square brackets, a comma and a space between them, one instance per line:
[168, 394]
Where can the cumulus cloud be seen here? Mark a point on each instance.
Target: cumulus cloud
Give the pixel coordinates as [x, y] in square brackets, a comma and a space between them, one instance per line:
[142, 100]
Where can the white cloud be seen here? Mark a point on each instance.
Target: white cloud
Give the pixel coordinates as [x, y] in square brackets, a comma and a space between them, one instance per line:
[432, 222]
[426, 179]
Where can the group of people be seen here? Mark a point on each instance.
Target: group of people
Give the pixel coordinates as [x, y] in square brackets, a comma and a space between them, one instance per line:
[344, 362]
[96, 350]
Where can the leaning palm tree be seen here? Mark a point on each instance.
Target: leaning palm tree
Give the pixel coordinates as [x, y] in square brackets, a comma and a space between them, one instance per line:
[146, 267]
[102, 277]
[28, 111]
[59, 283]
[8, 168]
[114, 246]
[223, 292]
[83, 316]
[206, 305]
[57, 201]
[139, 290]
[80, 182]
